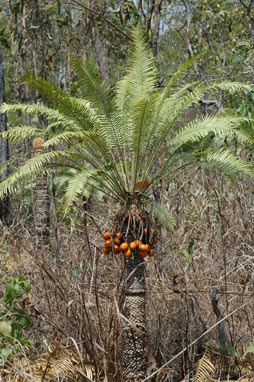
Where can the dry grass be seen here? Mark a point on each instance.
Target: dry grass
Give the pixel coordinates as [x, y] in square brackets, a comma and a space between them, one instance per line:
[79, 297]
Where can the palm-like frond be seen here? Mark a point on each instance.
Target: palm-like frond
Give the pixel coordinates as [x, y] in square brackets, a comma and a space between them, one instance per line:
[226, 162]
[205, 368]
[221, 125]
[163, 215]
[77, 184]
[32, 167]
[232, 87]
[140, 79]
[79, 112]
[21, 133]
[94, 89]
[34, 109]
[140, 136]
[178, 74]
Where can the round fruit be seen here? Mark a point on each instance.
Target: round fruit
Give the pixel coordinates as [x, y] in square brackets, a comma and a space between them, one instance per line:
[107, 250]
[127, 253]
[38, 143]
[143, 247]
[117, 241]
[151, 253]
[118, 235]
[106, 235]
[116, 249]
[108, 243]
[133, 245]
[124, 246]
[143, 253]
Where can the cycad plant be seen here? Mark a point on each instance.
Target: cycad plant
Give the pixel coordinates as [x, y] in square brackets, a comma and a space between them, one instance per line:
[125, 143]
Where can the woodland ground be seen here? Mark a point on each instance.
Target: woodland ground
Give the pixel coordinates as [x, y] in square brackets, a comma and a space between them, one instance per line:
[78, 299]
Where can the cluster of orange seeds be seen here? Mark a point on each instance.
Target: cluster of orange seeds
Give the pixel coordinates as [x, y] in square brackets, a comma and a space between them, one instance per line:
[117, 244]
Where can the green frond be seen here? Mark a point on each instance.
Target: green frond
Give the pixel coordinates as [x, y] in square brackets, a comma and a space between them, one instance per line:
[164, 120]
[33, 167]
[94, 88]
[180, 73]
[78, 111]
[164, 216]
[87, 116]
[221, 125]
[179, 101]
[225, 161]
[122, 94]
[232, 87]
[32, 109]
[138, 135]
[174, 106]
[93, 150]
[20, 133]
[140, 80]
[171, 111]
[18, 157]
[49, 91]
[66, 136]
[141, 134]
[76, 186]
[113, 130]
[94, 187]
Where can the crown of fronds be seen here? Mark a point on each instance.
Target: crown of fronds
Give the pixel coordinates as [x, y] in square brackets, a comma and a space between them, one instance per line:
[117, 140]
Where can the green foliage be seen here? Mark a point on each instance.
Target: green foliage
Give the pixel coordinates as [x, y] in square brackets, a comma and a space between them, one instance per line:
[250, 349]
[114, 141]
[187, 253]
[14, 320]
[164, 216]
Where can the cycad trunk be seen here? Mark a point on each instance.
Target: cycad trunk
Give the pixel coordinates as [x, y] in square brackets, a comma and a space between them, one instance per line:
[134, 224]
[134, 351]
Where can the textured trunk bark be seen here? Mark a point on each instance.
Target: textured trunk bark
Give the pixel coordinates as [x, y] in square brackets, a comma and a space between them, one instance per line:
[41, 203]
[152, 21]
[41, 206]
[5, 214]
[99, 45]
[135, 337]
[156, 27]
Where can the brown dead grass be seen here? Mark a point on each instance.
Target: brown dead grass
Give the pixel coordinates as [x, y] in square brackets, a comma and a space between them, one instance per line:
[79, 298]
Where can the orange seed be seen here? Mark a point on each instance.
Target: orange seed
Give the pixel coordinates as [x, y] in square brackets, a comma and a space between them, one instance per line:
[124, 246]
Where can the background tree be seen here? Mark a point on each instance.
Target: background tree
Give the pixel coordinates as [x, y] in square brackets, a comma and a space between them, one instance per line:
[5, 211]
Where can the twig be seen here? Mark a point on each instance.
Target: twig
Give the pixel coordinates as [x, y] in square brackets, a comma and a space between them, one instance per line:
[104, 18]
[194, 342]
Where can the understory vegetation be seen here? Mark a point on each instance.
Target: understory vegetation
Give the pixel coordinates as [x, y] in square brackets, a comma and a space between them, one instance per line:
[75, 302]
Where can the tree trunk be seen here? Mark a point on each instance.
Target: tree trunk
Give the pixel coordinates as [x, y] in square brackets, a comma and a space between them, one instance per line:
[152, 21]
[99, 46]
[41, 203]
[41, 207]
[134, 348]
[5, 214]
[133, 223]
